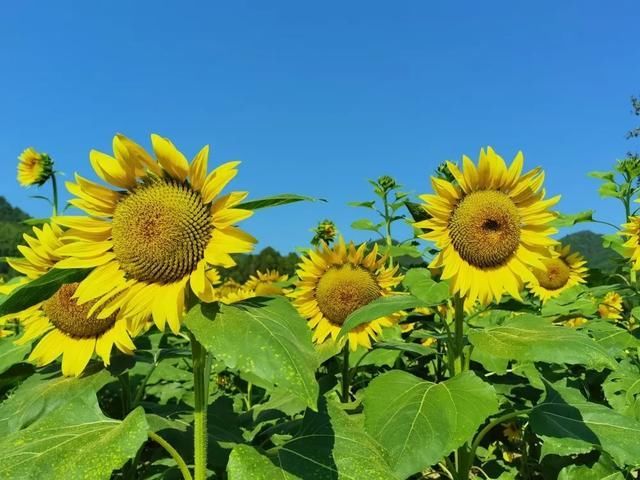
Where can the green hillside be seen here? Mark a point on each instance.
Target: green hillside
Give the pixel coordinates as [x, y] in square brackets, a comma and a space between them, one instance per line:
[589, 244]
[11, 230]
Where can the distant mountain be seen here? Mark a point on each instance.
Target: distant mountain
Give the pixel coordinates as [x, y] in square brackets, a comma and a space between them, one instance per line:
[11, 230]
[589, 244]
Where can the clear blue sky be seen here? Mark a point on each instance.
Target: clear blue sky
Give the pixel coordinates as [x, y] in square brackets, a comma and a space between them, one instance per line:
[316, 97]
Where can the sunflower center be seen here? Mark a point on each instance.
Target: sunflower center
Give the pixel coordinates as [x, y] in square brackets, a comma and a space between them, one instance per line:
[556, 274]
[160, 231]
[485, 228]
[343, 290]
[72, 319]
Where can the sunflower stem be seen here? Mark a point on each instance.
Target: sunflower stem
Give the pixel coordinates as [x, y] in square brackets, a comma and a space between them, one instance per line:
[458, 350]
[201, 373]
[345, 373]
[184, 470]
[126, 393]
[54, 186]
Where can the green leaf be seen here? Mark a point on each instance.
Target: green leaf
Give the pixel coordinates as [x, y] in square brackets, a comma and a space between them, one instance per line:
[362, 204]
[609, 189]
[40, 289]
[603, 469]
[276, 201]
[265, 337]
[568, 220]
[246, 463]
[329, 446]
[419, 282]
[622, 390]
[565, 415]
[602, 175]
[36, 222]
[615, 340]
[73, 439]
[577, 300]
[418, 422]
[380, 307]
[40, 395]
[403, 250]
[366, 224]
[10, 353]
[530, 338]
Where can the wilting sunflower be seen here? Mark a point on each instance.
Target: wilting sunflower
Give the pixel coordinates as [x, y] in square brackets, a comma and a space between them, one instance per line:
[163, 228]
[562, 271]
[491, 225]
[34, 168]
[267, 283]
[631, 230]
[336, 281]
[66, 328]
[611, 306]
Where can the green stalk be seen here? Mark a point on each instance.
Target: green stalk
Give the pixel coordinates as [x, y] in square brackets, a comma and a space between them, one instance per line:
[54, 185]
[201, 373]
[126, 393]
[458, 359]
[184, 470]
[345, 373]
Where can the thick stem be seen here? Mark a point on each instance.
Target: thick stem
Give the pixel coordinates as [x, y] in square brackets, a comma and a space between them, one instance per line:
[54, 185]
[458, 358]
[184, 470]
[201, 373]
[345, 373]
[126, 393]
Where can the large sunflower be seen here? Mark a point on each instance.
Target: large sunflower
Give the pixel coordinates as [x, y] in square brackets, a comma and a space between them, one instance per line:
[491, 224]
[66, 328]
[334, 282]
[162, 229]
[631, 230]
[562, 271]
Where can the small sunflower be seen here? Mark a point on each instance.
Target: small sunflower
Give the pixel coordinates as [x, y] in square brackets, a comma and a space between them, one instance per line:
[562, 270]
[267, 283]
[631, 230]
[66, 328]
[491, 225]
[611, 306]
[336, 281]
[34, 168]
[164, 227]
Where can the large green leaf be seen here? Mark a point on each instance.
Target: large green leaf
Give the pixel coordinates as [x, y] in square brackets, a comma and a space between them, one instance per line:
[612, 338]
[40, 395]
[568, 220]
[579, 426]
[419, 282]
[69, 437]
[603, 469]
[329, 446]
[40, 289]
[275, 201]
[264, 337]
[622, 390]
[380, 307]
[10, 353]
[531, 338]
[418, 422]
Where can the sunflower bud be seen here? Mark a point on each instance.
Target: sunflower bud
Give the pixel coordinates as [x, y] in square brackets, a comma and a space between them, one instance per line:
[34, 168]
[387, 183]
[326, 232]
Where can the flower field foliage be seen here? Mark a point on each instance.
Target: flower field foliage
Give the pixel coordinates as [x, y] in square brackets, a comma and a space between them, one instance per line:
[133, 347]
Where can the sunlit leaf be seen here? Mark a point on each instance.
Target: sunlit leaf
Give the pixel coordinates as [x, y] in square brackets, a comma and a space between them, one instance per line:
[276, 201]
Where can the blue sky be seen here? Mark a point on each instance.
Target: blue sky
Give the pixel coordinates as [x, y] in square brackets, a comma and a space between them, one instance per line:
[317, 97]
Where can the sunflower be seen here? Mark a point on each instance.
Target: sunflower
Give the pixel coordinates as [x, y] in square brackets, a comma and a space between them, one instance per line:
[163, 228]
[336, 281]
[34, 168]
[66, 328]
[576, 322]
[611, 306]
[562, 271]
[267, 283]
[491, 225]
[631, 230]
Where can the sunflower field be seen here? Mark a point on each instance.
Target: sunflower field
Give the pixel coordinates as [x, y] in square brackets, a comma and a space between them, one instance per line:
[481, 347]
